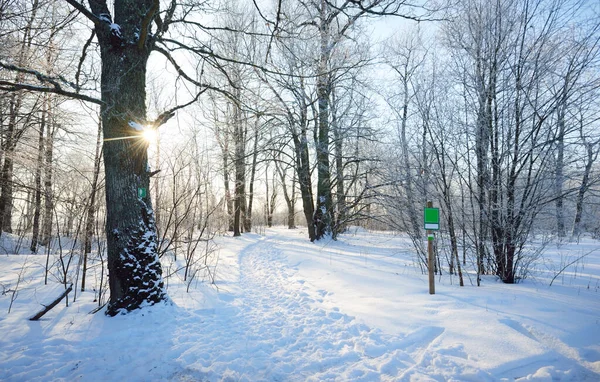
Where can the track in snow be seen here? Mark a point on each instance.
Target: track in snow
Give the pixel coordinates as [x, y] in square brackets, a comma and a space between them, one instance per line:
[280, 331]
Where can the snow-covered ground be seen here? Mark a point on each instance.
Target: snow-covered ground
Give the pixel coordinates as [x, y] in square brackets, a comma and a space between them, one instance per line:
[356, 309]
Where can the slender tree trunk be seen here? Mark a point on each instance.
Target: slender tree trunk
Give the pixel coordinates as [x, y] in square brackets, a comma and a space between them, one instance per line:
[239, 198]
[48, 166]
[287, 196]
[248, 219]
[91, 207]
[560, 163]
[590, 159]
[340, 223]
[157, 190]
[271, 201]
[323, 218]
[481, 147]
[302, 157]
[304, 180]
[38, 184]
[292, 204]
[228, 199]
[407, 169]
[240, 173]
[6, 181]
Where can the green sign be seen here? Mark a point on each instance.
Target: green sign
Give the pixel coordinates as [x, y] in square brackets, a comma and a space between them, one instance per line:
[141, 192]
[432, 218]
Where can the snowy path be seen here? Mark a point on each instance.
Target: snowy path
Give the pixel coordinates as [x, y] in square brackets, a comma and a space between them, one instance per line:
[282, 333]
[286, 329]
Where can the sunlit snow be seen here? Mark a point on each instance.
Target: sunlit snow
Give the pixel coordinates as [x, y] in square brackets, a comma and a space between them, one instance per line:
[286, 309]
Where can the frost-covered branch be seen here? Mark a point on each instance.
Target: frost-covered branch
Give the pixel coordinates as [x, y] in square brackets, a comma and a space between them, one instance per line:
[83, 10]
[54, 82]
[82, 58]
[168, 114]
[9, 86]
[183, 74]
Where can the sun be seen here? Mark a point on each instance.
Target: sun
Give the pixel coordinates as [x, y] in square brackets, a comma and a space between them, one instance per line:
[150, 135]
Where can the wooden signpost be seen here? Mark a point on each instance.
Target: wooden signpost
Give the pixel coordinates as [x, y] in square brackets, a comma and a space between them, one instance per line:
[432, 223]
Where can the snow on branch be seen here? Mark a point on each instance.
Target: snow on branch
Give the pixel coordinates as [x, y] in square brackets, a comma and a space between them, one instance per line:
[99, 15]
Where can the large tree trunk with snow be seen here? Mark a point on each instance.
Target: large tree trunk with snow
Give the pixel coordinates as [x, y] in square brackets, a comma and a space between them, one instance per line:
[135, 274]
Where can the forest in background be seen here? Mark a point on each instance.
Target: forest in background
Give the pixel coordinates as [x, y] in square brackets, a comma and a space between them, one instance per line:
[308, 113]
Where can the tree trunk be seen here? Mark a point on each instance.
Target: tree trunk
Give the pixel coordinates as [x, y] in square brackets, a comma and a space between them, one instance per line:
[289, 198]
[38, 185]
[6, 182]
[157, 190]
[304, 180]
[341, 207]
[323, 218]
[291, 203]
[239, 137]
[135, 273]
[91, 207]
[591, 156]
[48, 166]
[271, 201]
[228, 198]
[559, 174]
[248, 219]
[407, 169]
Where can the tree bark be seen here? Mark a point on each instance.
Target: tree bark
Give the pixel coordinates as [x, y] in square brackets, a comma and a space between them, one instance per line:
[559, 177]
[289, 196]
[338, 144]
[323, 218]
[240, 172]
[228, 199]
[304, 180]
[91, 207]
[38, 185]
[135, 273]
[248, 219]
[48, 166]
[583, 187]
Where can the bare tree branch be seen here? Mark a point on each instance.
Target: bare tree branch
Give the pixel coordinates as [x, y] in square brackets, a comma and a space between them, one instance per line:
[11, 87]
[146, 23]
[56, 87]
[183, 74]
[83, 10]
